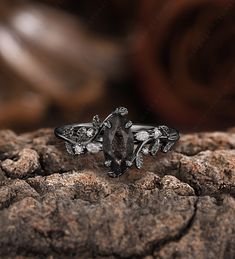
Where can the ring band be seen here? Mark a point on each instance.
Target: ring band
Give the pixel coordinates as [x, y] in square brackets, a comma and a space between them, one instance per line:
[122, 143]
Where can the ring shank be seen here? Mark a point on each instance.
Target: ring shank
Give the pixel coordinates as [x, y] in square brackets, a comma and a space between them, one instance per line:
[62, 132]
[59, 131]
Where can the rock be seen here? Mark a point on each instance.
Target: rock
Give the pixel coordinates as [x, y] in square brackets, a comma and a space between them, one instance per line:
[26, 164]
[171, 183]
[210, 172]
[180, 205]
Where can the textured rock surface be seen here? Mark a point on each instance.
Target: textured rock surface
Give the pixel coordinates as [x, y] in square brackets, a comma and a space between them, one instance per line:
[180, 205]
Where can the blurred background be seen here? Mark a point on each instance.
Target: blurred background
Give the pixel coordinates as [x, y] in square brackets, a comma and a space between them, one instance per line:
[169, 62]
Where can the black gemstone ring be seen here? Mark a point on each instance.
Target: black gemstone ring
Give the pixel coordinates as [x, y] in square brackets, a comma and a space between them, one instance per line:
[122, 143]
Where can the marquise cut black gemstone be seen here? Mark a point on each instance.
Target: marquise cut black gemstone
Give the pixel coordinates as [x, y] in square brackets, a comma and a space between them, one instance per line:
[118, 144]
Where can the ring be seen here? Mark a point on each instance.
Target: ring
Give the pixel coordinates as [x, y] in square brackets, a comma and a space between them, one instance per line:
[122, 143]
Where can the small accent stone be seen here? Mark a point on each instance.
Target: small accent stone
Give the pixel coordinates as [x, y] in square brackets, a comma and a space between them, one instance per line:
[157, 133]
[93, 147]
[145, 150]
[90, 132]
[107, 163]
[142, 135]
[78, 149]
[129, 163]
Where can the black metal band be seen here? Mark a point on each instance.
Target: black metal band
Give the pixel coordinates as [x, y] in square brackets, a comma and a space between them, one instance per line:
[64, 132]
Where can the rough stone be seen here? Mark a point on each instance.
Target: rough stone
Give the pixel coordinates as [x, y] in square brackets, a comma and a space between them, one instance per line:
[26, 163]
[180, 205]
[170, 182]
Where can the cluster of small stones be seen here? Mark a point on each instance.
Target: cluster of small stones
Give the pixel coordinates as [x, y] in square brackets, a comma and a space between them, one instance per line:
[145, 135]
[83, 134]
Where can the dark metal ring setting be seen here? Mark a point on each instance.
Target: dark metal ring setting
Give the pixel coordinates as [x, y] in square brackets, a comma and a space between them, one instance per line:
[122, 143]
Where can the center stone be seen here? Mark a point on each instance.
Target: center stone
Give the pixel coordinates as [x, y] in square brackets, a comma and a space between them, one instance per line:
[118, 144]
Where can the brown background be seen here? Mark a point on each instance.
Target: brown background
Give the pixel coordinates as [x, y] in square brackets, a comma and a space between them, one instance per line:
[168, 62]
